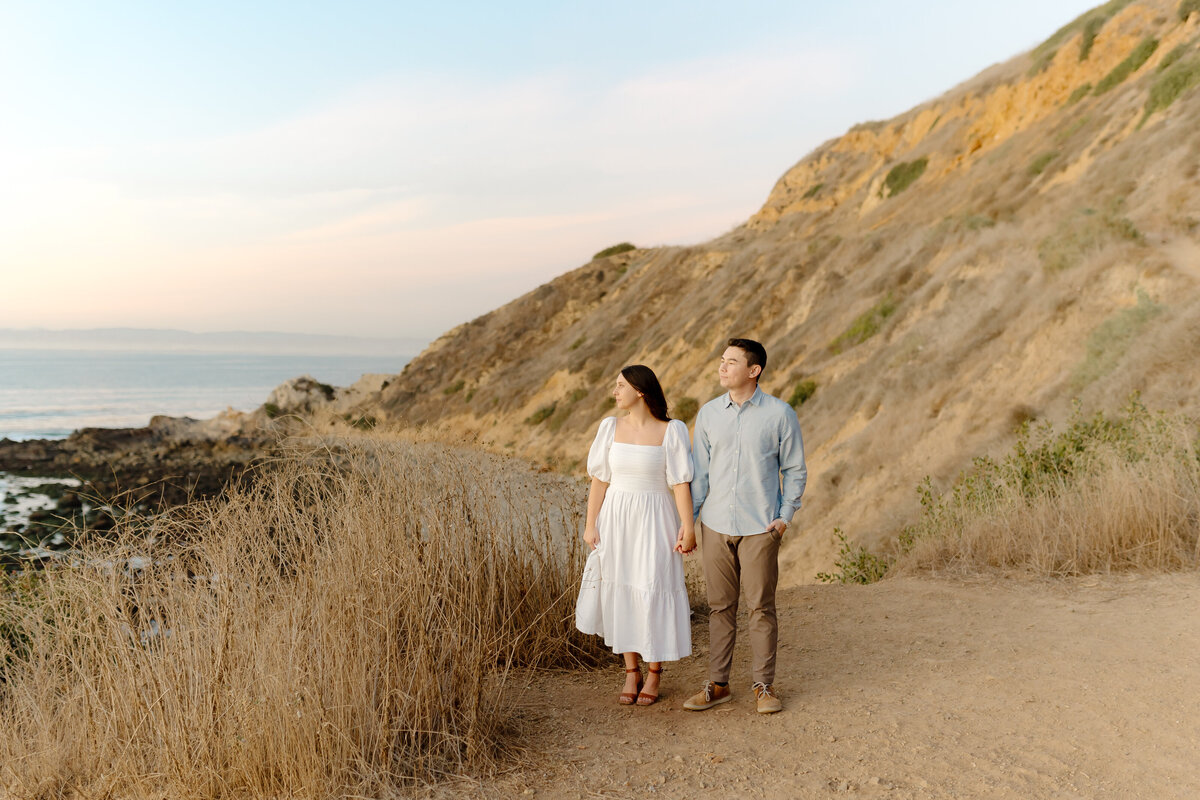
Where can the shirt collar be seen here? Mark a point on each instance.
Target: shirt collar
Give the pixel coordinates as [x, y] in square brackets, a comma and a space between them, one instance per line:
[754, 399]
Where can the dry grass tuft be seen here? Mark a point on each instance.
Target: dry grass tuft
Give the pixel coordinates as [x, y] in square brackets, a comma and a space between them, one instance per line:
[346, 626]
[1101, 495]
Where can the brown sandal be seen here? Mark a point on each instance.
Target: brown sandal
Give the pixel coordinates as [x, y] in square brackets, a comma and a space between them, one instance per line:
[629, 698]
[644, 699]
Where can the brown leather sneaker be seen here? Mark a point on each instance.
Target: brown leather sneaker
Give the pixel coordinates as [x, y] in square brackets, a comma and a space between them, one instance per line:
[768, 703]
[711, 695]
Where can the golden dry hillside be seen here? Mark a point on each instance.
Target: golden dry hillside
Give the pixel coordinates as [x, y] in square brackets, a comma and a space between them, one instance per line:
[923, 284]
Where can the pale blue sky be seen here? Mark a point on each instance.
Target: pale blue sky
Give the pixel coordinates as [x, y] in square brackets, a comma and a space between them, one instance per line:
[394, 169]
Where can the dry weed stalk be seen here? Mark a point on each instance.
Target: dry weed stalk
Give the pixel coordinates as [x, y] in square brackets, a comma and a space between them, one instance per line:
[345, 625]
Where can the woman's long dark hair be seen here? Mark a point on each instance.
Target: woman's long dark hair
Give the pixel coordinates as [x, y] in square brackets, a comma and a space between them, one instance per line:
[645, 381]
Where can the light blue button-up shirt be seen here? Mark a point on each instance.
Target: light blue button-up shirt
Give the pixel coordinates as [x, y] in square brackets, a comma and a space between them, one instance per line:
[749, 464]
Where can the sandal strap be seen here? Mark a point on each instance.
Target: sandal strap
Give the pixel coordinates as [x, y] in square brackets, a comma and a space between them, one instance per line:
[638, 669]
[655, 671]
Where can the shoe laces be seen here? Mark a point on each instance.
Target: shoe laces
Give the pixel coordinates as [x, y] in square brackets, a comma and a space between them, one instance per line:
[763, 689]
[710, 689]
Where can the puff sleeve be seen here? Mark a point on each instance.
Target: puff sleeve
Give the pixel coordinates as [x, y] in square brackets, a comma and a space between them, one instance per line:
[597, 461]
[679, 453]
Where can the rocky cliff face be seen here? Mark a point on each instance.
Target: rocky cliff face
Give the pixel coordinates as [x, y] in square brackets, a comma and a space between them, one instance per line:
[923, 285]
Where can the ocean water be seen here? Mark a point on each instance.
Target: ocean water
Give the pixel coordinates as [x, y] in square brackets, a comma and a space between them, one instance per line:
[49, 393]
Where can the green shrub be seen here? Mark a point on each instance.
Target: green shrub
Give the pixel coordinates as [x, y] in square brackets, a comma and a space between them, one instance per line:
[975, 222]
[575, 345]
[1041, 162]
[812, 191]
[686, 409]
[1112, 338]
[855, 564]
[577, 395]
[801, 394]
[1170, 58]
[901, 176]
[1088, 38]
[623, 247]
[865, 325]
[272, 410]
[1132, 63]
[541, 415]
[1079, 93]
[1187, 8]
[454, 388]
[1172, 83]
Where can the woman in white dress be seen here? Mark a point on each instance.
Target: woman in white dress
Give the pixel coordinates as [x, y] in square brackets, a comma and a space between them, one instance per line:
[639, 522]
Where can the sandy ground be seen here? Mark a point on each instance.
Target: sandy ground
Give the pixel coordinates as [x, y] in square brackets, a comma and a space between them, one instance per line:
[911, 688]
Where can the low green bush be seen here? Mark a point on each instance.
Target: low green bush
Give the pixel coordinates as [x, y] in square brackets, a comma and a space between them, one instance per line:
[812, 191]
[1132, 63]
[1079, 93]
[454, 388]
[802, 393]
[854, 563]
[1039, 164]
[1090, 29]
[1187, 8]
[623, 247]
[272, 410]
[1172, 83]
[541, 415]
[865, 325]
[901, 176]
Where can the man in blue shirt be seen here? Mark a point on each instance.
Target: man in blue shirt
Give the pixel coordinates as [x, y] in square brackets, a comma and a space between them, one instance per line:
[750, 474]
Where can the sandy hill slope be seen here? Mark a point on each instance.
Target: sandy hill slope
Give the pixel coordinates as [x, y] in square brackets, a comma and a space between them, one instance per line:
[923, 284]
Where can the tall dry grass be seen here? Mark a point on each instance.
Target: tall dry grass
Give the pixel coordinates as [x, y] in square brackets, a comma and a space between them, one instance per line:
[1101, 495]
[345, 626]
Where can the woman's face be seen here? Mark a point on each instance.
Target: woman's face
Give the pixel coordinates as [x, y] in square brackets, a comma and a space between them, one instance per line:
[625, 395]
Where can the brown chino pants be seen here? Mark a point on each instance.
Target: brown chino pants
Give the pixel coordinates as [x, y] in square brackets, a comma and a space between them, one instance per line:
[750, 564]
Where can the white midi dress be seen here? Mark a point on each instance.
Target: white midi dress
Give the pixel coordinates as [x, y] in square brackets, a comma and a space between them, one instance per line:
[642, 599]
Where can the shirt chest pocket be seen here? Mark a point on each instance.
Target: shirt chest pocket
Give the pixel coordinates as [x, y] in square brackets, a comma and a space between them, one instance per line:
[760, 444]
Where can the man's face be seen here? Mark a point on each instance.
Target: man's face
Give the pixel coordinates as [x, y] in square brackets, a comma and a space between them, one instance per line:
[735, 371]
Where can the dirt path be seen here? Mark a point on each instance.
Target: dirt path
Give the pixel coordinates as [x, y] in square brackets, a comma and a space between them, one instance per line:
[912, 688]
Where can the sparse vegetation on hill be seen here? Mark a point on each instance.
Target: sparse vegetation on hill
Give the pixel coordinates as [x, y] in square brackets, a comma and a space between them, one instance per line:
[1173, 82]
[1132, 63]
[616, 249]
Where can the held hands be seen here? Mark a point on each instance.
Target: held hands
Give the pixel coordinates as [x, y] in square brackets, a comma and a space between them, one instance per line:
[591, 535]
[685, 542]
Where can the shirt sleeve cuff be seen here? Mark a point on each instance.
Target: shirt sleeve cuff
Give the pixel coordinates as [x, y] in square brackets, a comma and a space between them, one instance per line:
[787, 512]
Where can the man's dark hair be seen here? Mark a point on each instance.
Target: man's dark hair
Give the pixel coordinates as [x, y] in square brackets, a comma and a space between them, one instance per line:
[756, 354]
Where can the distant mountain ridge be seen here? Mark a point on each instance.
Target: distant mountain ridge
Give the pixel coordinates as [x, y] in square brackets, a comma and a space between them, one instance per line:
[923, 285]
[156, 339]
